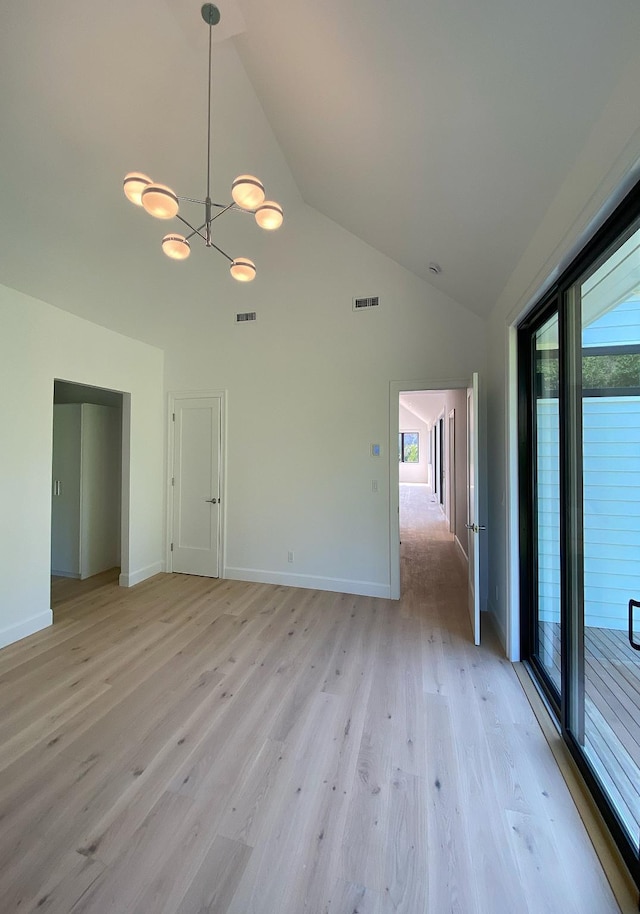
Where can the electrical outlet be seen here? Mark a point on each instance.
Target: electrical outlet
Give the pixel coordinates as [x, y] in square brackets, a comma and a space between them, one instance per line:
[290, 557]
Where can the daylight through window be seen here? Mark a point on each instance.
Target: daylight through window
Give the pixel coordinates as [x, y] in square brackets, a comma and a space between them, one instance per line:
[408, 447]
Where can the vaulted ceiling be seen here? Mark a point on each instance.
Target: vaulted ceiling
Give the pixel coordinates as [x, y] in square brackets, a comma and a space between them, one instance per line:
[434, 130]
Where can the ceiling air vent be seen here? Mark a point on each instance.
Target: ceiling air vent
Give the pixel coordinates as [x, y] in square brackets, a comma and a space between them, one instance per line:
[246, 316]
[362, 304]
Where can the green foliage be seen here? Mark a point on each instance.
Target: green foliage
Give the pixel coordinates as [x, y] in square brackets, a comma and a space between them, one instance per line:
[411, 453]
[599, 372]
[606, 371]
[408, 447]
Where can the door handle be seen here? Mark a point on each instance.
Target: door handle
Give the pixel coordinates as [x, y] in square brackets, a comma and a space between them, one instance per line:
[634, 644]
[212, 501]
[476, 529]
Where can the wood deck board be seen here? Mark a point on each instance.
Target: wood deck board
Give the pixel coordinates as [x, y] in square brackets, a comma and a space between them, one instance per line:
[612, 711]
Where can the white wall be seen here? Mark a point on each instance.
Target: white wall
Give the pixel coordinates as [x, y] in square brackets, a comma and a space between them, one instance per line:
[37, 344]
[308, 393]
[308, 383]
[415, 472]
[606, 168]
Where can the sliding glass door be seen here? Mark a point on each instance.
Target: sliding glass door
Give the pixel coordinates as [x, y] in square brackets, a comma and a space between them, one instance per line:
[579, 362]
[607, 717]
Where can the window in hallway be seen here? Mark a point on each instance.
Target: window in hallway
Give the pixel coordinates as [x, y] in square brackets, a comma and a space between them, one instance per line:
[408, 447]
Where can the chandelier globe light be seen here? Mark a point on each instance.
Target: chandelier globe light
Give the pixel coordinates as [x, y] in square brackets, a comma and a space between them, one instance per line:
[176, 246]
[269, 215]
[247, 193]
[243, 269]
[160, 201]
[133, 185]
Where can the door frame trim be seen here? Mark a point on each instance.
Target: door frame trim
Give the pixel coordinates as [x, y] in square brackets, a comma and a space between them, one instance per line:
[172, 398]
[395, 389]
[126, 577]
[451, 470]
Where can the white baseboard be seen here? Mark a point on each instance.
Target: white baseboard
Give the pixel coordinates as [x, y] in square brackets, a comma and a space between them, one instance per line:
[65, 574]
[26, 627]
[309, 581]
[133, 578]
[496, 621]
[462, 553]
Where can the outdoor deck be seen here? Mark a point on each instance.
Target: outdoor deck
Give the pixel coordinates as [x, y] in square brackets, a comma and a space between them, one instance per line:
[612, 712]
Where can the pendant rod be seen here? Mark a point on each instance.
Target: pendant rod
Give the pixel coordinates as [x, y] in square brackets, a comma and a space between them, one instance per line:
[220, 251]
[222, 211]
[194, 231]
[209, 122]
[163, 202]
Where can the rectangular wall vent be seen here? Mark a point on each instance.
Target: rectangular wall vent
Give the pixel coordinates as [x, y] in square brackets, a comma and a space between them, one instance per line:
[361, 304]
[246, 316]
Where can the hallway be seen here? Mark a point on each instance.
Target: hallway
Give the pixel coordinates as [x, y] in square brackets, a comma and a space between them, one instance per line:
[432, 570]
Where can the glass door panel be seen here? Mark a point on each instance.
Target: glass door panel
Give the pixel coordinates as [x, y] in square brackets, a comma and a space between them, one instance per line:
[609, 733]
[546, 635]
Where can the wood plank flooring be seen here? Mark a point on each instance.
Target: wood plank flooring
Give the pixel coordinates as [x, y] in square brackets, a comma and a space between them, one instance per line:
[192, 745]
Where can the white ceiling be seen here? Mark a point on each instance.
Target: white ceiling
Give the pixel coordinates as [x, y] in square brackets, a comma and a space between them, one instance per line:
[435, 130]
[425, 404]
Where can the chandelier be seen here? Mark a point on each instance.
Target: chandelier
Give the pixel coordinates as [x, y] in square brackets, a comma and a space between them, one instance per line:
[247, 194]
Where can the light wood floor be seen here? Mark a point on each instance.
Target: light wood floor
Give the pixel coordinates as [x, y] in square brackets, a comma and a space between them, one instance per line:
[193, 746]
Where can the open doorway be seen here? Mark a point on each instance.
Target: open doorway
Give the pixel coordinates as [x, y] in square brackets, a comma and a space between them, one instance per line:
[86, 494]
[436, 455]
[439, 481]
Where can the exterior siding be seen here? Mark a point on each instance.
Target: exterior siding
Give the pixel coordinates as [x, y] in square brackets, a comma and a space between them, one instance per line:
[611, 442]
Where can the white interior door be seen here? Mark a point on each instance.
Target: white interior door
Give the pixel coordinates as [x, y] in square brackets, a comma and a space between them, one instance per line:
[196, 486]
[473, 527]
